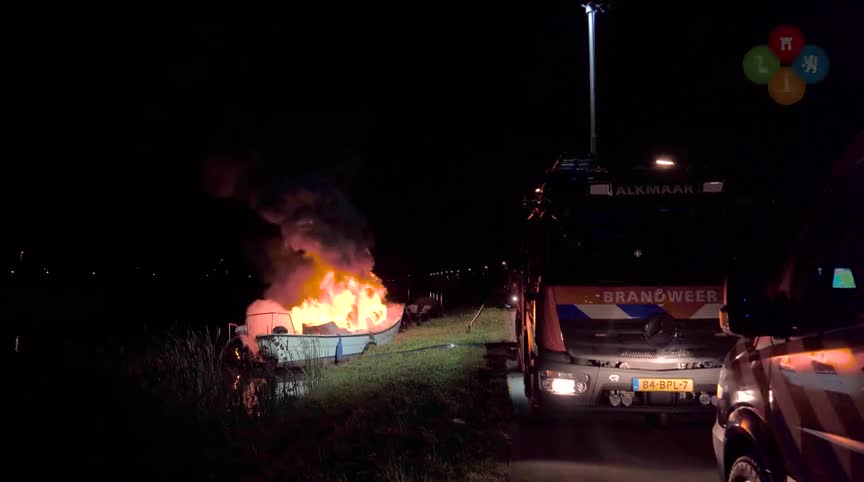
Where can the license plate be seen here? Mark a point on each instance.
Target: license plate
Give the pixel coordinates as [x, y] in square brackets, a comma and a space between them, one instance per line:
[662, 384]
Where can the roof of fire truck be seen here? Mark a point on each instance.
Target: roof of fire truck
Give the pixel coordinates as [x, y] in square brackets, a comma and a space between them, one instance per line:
[576, 177]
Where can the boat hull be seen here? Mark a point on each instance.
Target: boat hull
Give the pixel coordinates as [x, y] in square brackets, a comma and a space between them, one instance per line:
[288, 349]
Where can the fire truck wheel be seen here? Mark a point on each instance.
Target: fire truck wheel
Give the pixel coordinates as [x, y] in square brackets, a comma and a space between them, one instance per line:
[520, 350]
[522, 405]
[525, 359]
[532, 385]
[532, 412]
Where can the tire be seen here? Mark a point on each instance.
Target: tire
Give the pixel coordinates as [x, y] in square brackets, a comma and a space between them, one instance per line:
[524, 352]
[517, 330]
[531, 411]
[532, 386]
[745, 469]
[520, 351]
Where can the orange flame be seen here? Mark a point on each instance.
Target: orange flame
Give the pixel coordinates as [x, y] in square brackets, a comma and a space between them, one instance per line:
[350, 303]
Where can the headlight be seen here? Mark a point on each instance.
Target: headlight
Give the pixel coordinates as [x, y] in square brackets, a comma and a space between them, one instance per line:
[563, 383]
[563, 386]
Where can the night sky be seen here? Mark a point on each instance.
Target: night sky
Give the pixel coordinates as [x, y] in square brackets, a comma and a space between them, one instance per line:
[434, 117]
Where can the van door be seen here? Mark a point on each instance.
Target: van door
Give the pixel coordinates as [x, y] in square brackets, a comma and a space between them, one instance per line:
[817, 404]
[817, 379]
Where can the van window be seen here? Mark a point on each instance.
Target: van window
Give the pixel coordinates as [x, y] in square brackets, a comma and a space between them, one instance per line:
[828, 268]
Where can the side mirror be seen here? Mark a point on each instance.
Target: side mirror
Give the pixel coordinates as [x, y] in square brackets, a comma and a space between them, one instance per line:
[750, 313]
[752, 321]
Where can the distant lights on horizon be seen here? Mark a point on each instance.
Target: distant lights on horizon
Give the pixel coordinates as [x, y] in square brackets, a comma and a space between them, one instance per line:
[460, 271]
[153, 274]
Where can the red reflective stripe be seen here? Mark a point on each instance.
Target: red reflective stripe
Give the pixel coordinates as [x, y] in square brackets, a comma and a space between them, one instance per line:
[550, 328]
[641, 295]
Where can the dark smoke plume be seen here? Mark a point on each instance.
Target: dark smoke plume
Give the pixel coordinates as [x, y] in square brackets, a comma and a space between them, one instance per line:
[318, 227]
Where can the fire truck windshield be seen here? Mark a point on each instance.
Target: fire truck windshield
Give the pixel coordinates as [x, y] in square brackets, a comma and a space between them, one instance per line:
[637, 240]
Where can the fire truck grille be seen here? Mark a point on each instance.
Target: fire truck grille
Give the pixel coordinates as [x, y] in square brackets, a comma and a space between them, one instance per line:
[653, 355]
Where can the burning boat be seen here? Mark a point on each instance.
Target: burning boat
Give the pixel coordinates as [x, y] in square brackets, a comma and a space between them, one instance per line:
[322, 299]
[289, 348]
[345, 317]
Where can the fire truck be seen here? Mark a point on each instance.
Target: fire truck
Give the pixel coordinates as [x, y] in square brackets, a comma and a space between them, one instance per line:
[621, 286]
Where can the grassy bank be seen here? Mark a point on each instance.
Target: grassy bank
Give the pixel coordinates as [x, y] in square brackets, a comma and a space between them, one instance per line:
[402, 415]
[168, 408]
[407, 360]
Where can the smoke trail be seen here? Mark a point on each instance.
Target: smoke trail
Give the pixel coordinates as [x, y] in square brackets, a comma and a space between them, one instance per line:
[317, 223]
[319, 227]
